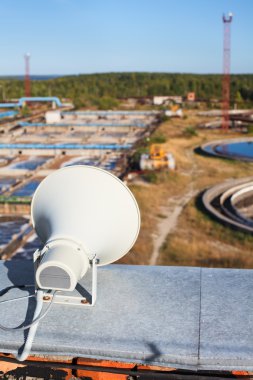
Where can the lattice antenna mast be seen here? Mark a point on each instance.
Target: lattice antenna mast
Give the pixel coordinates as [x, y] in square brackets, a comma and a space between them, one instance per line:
[227, 20]
[27, 75]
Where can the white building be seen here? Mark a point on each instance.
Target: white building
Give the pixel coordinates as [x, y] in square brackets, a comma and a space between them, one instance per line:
[163, 100]
[53, 117]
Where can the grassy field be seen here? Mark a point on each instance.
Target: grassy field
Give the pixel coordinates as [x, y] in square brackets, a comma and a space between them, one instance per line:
[197, 240]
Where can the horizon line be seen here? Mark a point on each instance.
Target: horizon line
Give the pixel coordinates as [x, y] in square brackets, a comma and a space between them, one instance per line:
[124, 72]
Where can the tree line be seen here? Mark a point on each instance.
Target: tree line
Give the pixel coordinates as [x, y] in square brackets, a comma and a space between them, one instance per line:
[94, 87]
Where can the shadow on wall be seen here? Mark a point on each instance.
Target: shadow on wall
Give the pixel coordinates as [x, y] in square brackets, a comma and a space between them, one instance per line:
[34, 372]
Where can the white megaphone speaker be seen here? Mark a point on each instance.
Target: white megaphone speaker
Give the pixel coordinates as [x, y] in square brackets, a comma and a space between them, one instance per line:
[85, 217]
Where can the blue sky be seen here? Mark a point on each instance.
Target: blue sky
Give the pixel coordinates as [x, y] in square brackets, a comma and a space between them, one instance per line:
[87, 36]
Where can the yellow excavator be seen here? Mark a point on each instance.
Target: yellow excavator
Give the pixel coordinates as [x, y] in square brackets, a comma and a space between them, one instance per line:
[157, 159]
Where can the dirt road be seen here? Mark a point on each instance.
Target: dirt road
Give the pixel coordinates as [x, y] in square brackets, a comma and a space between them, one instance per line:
[173, 211]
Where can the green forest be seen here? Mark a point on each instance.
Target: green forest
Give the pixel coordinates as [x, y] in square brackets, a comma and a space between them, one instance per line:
[91, 88]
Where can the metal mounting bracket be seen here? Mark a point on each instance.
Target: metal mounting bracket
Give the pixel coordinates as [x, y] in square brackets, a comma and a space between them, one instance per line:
[83, 299]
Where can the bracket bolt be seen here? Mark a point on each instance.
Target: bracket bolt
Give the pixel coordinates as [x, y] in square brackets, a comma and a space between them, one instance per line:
[46, 298]
[84, 301]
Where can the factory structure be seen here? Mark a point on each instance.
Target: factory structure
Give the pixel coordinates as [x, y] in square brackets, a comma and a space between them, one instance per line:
[33, 147]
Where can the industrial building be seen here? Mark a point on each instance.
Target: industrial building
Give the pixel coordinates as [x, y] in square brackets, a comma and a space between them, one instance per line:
[32, 148]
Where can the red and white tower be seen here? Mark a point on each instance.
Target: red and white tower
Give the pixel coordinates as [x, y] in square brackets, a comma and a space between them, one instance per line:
[226, 71]
[27, 75]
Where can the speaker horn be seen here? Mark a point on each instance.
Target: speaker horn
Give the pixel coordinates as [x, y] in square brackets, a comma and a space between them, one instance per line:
[85, 217]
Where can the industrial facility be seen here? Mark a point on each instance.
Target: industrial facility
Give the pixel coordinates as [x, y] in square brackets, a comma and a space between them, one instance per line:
[31, 148]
